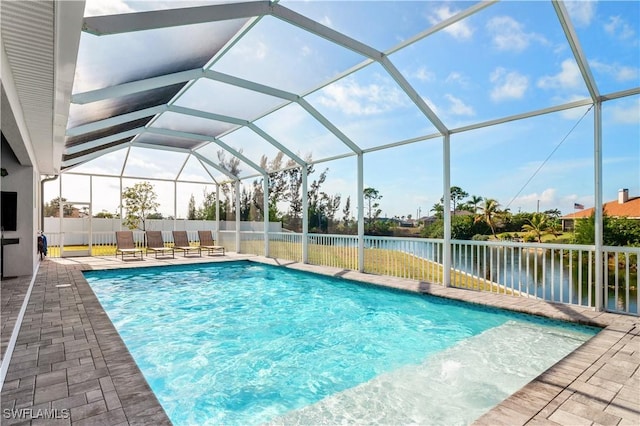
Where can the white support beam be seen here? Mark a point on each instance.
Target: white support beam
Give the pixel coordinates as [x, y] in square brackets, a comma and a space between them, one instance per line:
[598, 219]
[205, 138]
[141, 21]
[578, 54]
[325, 32]
[329, 126]
[90, 156]
[305, 218]
[204, 159]
[549, 110]
[621, 94]
[413, 95]
[446, 190]
[442, 25]
[208, 115]
[96, 143]
[250, 85]
[138, 86]
[218, 213]
[237, 198]
[114, 121]
[277, 144]
[360, 185]
[265, 218]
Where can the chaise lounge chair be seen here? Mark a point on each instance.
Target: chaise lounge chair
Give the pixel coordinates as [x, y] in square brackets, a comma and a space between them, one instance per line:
[181, 242]
[125, 245]
[207, 243]
[155, 243]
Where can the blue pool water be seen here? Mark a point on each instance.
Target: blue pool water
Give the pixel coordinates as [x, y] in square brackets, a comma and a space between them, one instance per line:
[243, 343]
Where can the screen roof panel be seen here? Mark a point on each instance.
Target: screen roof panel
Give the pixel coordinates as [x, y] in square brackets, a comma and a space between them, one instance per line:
[423, 68]
[608, 32]
[80, 114]
[188, 123]
[498, 69]
[302, 134]
[165, 164]
[371, 109]
[110, 60]
[222, 98]
[382, 26]
[283, 56]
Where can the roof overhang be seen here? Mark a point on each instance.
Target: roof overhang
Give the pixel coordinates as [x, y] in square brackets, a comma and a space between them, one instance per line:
[39, 50]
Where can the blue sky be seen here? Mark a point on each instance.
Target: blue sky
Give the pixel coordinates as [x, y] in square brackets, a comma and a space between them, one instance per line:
[510, 58]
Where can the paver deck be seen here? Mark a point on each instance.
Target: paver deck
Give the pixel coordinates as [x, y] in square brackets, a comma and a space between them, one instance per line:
[69, 359]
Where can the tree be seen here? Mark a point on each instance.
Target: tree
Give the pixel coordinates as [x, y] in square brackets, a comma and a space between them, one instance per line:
[104, 214]
[232, 166]
[474, 202]
[489, 212]
[553, 213]
[52, 208]
[192, 213]
[140, 203]
[537, 225]
[457, 195]
[346, 212]
[372, 195]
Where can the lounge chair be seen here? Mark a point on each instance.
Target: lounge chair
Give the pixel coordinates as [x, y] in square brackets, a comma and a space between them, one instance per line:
[125, 245]
[207, 243]
[155, 244]
[181, 242]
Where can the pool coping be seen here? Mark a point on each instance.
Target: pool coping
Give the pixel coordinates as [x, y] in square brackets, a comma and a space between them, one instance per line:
[66, 329]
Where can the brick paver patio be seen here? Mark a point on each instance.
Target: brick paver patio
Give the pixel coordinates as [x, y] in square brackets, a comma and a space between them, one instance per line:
[69, 359]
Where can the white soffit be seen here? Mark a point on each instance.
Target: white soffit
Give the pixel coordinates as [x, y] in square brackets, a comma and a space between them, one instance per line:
[38, 65]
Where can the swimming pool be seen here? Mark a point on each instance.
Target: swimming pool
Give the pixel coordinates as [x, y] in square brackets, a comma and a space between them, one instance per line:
[245, 343]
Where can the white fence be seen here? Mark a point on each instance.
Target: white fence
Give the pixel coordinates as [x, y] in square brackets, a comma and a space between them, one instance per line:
[76, 230]
[557, 273]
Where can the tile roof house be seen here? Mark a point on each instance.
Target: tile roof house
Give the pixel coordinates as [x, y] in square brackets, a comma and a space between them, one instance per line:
[622, 207]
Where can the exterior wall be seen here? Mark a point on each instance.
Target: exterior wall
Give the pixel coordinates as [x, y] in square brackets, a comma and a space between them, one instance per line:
[21, 259]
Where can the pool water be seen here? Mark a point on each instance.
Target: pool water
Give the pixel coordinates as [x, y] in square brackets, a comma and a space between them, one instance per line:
[242, 343]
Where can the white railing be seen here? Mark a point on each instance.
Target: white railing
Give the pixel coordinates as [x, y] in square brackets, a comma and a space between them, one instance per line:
[411, 258]
[621, 279]
[560, 273]
[252, 242]
[338, 251]
[285, 245]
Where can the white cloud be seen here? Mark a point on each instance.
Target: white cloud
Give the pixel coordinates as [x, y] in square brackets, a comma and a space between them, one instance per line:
[354, 99]
[508, 85]
[423, 74]
[459, 78]
[112, 7]
[247, 51]
[546, 198]
[627, 114]
[581, 12]
[460, 30]
[305, 51]
[621, 73]
[458, 107]
[568, 77]
[618, 28]
[509, 34]
[326, 21]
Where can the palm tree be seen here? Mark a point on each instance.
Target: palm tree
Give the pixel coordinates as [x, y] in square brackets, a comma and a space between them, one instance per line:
[475, 201]
[489, 212]
[538, 225]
